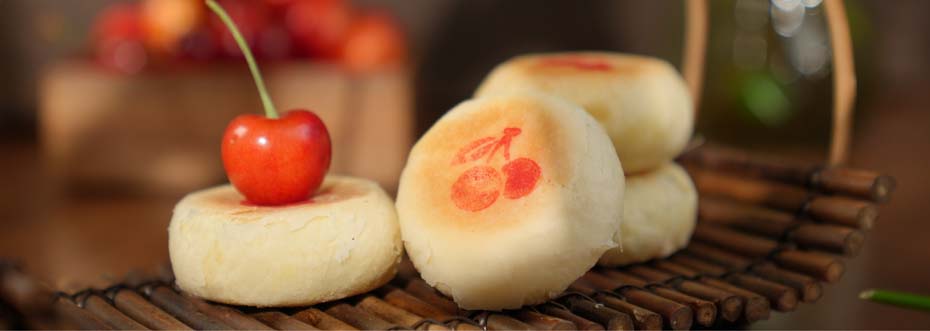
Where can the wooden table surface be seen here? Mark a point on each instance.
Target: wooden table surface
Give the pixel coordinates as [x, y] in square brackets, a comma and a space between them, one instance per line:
[71, 241]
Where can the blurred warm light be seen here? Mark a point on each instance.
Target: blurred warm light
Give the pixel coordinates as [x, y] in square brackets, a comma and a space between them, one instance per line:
[166, 22]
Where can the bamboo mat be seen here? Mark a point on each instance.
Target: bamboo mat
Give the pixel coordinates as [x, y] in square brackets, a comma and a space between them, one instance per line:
[770, 233]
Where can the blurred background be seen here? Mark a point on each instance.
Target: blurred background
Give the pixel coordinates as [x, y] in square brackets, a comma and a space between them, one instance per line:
[110, 111]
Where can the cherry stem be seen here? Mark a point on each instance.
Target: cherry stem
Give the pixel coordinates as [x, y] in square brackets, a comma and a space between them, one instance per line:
[270, 110]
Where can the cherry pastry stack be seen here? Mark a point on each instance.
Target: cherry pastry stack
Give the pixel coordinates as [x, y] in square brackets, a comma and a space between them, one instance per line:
[645, 107]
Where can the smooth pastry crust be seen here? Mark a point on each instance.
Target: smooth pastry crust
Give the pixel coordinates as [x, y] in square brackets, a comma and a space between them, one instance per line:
[659, 214]
[642, 102]
[345, 241]
[508, 199]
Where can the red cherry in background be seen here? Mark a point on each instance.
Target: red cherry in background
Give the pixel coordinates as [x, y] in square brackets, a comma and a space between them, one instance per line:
[198, 45]
[374, 41]
[274, 43]
[262, 30]
[166, 22]
[319, 27]
[118, 38]
[276, 161]
[250, 17]
[271, 160]
[278, 3]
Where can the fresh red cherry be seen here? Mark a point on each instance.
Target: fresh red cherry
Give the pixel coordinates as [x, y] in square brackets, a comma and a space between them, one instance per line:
[271, 160]
[276, 161]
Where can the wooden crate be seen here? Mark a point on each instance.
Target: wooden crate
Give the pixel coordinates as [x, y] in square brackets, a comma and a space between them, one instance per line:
[161, 131]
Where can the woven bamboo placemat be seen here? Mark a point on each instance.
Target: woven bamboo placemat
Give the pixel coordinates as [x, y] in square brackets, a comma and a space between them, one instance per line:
[770, 233]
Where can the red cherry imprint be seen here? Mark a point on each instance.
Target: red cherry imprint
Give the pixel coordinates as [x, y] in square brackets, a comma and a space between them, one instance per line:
[577, 62]
[522, 175]
[477, 188]
[472, 151]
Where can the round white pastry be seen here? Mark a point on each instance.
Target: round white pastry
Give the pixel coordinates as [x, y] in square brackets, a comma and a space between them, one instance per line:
[342, 242]
[642, 102]
[659, 213]
[508, 199]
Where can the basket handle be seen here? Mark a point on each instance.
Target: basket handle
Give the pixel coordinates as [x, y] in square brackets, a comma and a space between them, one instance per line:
[844, 73]
[695, 47]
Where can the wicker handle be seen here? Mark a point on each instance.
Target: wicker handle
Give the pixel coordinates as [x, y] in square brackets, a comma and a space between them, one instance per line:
[844, 75]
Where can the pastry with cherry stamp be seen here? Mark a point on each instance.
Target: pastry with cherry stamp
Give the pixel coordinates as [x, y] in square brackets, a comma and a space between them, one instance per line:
[480, 185]
[504, 186]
